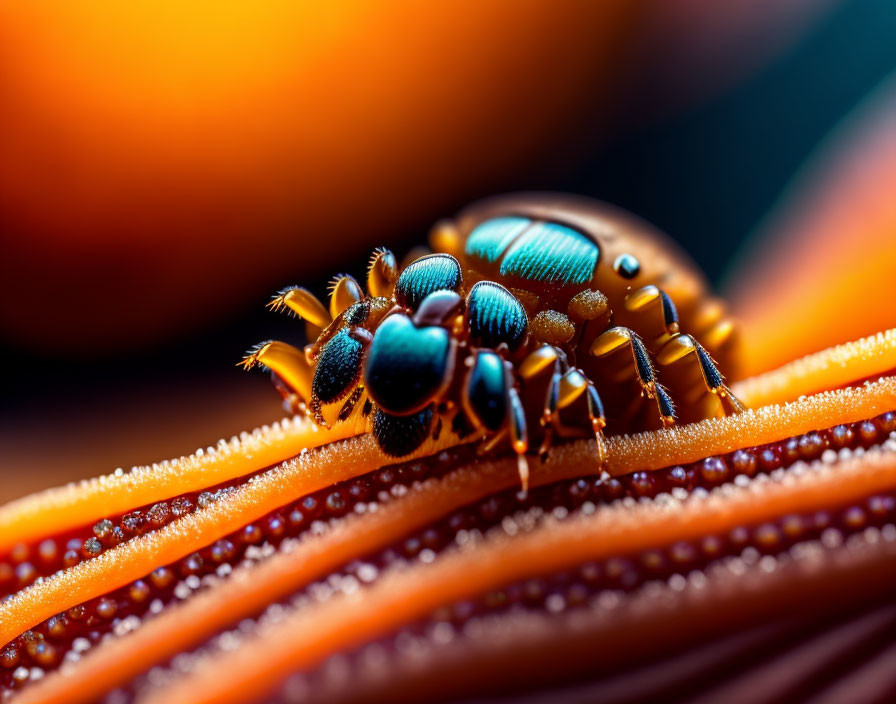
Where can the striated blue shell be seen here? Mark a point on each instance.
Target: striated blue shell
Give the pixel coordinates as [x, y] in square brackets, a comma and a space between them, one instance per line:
[434, 272]
[546, 252]
[495, 316]
[406, 365]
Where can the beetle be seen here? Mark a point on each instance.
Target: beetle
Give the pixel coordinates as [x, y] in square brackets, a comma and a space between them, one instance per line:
[531, 311]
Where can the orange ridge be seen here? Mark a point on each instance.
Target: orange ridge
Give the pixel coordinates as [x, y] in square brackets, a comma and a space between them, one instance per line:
[135, 558]
[407, 594]
[324, 466]
[247, 592]
[758, 426]
[527, 649]
[81, 503]
[832, 368]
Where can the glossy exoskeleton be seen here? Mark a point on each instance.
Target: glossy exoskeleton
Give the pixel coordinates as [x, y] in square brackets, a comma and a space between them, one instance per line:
[532, 308]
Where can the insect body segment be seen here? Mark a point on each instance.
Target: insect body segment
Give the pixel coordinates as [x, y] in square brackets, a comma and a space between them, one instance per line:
[407, 366]
[495, 317]
[426, 275]
[538, 314]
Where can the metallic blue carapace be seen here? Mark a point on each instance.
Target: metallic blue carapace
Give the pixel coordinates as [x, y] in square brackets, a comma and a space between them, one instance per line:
[495, 315]
[434, 272]
[337, 368]
[546, 252]
[398, 436]
[492, 238]
[487, 390]
[406, 365]
[553, 254]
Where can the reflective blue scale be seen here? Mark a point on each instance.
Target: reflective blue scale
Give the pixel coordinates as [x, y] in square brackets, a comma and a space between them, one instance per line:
[401, 435]
[492, 238]
[405, 364]
[495, 316]
[487, 390]
[551, 253]
[434, 272]
[337, 367]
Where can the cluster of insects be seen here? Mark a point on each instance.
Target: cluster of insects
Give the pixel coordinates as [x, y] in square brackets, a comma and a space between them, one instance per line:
[531, 316]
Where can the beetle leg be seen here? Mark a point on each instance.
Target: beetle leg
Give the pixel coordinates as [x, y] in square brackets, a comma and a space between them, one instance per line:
[655, 304]
[598, 419]
[292, 373]
[519, 436]
[338, 370]
[301, 302]
[682, 347]
[381, 273]
[350, 403]
[551, 407]
[490, 443]
[714, 328]
[618, 338]
[536, 363]
[566, 386]
[573, 385]
[566, 389]
[344, 291]
[491, 401]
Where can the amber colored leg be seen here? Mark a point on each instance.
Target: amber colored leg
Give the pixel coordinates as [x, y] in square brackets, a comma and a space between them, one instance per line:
[657, 307]
[381, 273]
[344, 291]
[287, 363]
[618, 338]
[684, 348]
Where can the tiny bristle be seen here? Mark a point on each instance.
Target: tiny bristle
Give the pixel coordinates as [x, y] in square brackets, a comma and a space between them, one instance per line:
[667, 406]
[278, 301]
[250, 359]
[377, 253]
[334, 282]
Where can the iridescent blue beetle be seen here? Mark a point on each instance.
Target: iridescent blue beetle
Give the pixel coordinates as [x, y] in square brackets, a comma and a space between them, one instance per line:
[531, 310]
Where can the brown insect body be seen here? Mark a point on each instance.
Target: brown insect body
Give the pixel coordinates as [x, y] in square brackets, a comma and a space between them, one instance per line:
[662, 264]
[559, 302]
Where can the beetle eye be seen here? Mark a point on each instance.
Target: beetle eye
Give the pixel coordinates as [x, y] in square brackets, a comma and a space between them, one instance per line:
[627, 266]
